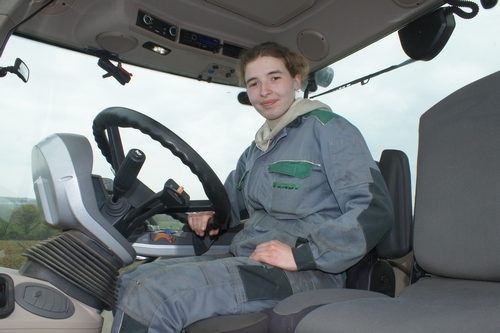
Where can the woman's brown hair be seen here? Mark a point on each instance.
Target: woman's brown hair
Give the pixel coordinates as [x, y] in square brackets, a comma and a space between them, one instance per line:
[294, 63]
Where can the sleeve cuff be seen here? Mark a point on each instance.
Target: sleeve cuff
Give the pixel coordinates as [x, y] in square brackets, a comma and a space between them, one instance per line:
[303, 256]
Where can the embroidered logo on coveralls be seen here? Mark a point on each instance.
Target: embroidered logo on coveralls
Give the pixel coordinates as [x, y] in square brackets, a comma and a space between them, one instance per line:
[286, 186]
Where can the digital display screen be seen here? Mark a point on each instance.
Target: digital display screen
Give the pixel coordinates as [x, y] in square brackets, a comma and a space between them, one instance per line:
[200, 41]
[208, 41]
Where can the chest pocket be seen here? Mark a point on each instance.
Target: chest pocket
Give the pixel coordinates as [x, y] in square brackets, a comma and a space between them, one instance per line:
[291, 182]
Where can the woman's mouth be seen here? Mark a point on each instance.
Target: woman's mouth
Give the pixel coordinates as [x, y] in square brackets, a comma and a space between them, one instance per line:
[269, 103]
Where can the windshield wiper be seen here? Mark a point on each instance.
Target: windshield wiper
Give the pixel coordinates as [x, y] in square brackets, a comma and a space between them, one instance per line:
[365, 79]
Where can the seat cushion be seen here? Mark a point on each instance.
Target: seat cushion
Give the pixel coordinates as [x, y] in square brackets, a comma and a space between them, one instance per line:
[289, 312]
[247, 323]
[432, 305]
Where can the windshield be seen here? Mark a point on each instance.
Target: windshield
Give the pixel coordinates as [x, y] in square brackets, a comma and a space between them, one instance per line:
[66, 91]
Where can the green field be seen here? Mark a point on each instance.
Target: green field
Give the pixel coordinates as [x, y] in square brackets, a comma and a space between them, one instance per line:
[10, 252]
[172, 225]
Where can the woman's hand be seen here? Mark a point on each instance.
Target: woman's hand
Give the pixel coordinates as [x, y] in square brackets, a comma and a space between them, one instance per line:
[275, 253]
[198, 223]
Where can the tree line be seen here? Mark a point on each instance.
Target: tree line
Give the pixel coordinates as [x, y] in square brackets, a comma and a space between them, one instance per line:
[25, 223]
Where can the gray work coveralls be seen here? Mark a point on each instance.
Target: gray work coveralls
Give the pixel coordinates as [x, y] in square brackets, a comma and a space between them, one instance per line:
[316, 188]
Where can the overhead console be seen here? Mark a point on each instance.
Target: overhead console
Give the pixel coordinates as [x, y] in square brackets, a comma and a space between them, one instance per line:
[191, 38]
[178, 37]
[205, 37]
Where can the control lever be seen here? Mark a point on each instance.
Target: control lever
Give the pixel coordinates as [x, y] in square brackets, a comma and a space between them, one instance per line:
[127, 173]
[173, 195]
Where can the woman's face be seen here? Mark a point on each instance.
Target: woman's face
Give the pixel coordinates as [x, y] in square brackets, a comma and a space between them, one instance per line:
[270, 87]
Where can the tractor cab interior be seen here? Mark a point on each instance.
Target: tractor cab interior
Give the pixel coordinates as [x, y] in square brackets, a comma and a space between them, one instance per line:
[435, 270]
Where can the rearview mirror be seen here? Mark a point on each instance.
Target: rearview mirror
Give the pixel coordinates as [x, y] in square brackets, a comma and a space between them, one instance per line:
[19, 68]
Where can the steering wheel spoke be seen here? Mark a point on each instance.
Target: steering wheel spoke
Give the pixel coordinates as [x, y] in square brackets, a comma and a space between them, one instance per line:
[116, 151]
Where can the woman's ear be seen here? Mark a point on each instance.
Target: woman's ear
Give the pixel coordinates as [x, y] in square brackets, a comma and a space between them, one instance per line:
[296, 82]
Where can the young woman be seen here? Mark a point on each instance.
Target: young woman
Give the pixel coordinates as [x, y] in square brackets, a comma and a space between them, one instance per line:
[315, 200]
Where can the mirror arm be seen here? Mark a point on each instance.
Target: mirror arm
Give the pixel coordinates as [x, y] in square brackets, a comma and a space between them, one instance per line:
[5, 70]
[16, 69]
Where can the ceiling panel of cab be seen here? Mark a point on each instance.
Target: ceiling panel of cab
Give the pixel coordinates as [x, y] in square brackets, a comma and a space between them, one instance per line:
[205, 36]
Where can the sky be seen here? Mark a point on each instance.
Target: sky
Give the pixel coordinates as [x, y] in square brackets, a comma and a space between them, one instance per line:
[66, 91]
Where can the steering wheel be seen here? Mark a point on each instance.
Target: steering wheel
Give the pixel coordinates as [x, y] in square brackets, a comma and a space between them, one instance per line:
[109, 120]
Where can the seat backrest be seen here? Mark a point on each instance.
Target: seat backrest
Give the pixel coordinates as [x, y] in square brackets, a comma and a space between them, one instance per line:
[373, 272]
[395, 169]
[457, 210]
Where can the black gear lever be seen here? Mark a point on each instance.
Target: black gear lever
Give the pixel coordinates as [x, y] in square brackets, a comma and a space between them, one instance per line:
[116, 206]
[127, 173]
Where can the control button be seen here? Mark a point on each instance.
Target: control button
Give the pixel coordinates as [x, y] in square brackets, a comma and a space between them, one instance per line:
[147, 19]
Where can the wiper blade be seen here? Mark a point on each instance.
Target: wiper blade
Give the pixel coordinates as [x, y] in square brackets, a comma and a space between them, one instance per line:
[365, 79]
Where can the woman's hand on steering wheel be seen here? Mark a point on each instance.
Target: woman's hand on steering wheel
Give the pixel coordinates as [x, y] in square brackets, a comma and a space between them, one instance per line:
[198, 222]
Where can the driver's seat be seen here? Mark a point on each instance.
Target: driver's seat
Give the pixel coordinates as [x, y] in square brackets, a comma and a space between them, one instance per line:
[457, 229]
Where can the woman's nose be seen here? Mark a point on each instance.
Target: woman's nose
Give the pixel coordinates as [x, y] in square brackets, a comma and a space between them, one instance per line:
[264, 89]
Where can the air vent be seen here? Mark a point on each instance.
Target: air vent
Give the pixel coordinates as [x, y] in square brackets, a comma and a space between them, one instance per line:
[231, 50]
